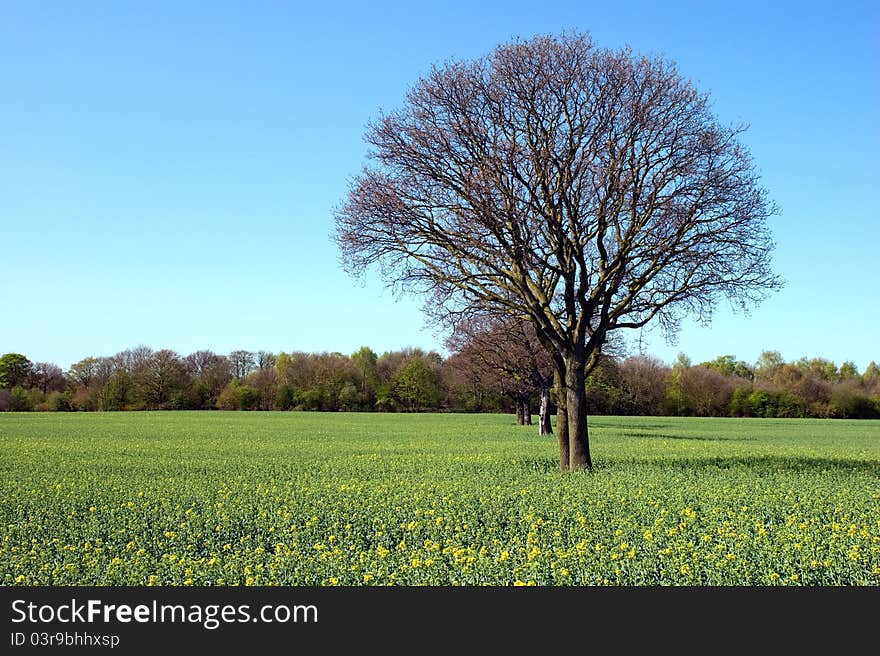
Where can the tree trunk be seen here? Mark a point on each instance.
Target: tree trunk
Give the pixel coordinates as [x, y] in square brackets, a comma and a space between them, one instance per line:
[519, 412]
[576, 411]
[561, 419]
[527, 412]
[544, 425]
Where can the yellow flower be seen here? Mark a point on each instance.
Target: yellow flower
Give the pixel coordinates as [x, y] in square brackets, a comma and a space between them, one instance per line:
[685, 569]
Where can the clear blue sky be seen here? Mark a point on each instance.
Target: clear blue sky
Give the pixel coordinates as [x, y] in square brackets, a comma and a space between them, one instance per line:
[168, 170]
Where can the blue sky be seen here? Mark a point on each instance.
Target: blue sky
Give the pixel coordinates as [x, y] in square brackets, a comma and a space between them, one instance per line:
[169, 170]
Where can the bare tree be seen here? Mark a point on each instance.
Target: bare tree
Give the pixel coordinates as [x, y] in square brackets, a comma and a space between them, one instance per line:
[241, 363]
[583, 189]
[47, 377]
[506, 352]
[644, 380]
[265, 360]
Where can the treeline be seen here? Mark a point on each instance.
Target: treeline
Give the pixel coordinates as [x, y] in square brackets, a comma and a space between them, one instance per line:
[413, 380]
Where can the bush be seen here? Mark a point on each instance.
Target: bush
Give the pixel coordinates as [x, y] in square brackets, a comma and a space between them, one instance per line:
[20, 400]
[308, 399]
[248, 398]
[284, 397]
[789, 405]
[58, 402]
[740, 405]
[236, 396]
[847, 402]
[349, 398]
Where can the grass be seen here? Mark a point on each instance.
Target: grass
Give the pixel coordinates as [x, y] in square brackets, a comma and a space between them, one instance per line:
[363, 499]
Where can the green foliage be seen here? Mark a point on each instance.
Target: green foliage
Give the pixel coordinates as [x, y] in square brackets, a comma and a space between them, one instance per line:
[20, 400]
[238, 396]
[849, 403]
[768, 365]
[310, 399]
[349, 398]
[416, 385]
[14, 370]
[284, 396]
[117, 393]
[249, 398]
[58, 402]
[385, 401]
[231, 498]
[740, 406]
[728, 365]
[412, 380]
[748, 401]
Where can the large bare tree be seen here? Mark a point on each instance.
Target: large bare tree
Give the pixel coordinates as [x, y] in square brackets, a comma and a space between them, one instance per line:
[582, 189]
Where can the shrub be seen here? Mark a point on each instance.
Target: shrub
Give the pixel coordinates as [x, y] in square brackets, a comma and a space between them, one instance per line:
[847, 402]
[58, 402]
[284, 397]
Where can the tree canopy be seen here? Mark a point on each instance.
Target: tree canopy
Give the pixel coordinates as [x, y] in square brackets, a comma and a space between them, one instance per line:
[582, 189]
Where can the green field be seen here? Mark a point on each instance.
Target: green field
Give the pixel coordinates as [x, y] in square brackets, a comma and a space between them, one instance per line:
[352, 499]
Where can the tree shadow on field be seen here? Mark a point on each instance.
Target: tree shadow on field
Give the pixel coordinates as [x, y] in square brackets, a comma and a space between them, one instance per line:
[760, 465]
[700, 438]
[773, 464]
[615, 426]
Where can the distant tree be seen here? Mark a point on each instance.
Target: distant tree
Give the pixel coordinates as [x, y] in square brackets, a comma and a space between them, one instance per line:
[84, 372]
[237, 396]
[462, 384]
[675, 397]
[285, 397]
[162, 380]
[264, 360]
[728, 365]
[14, 370]
[644, 381]
[848, 371]
[707, 392]
[365, 363]
[818, 367]
[241, 364]
[349, 398]
[416, 385]
[283, 363]
[768, 364]
[263, 380]
[209, 374]
[506, 354]
[849, 402]
[118, 393]
[46, 377]
[134, 360]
